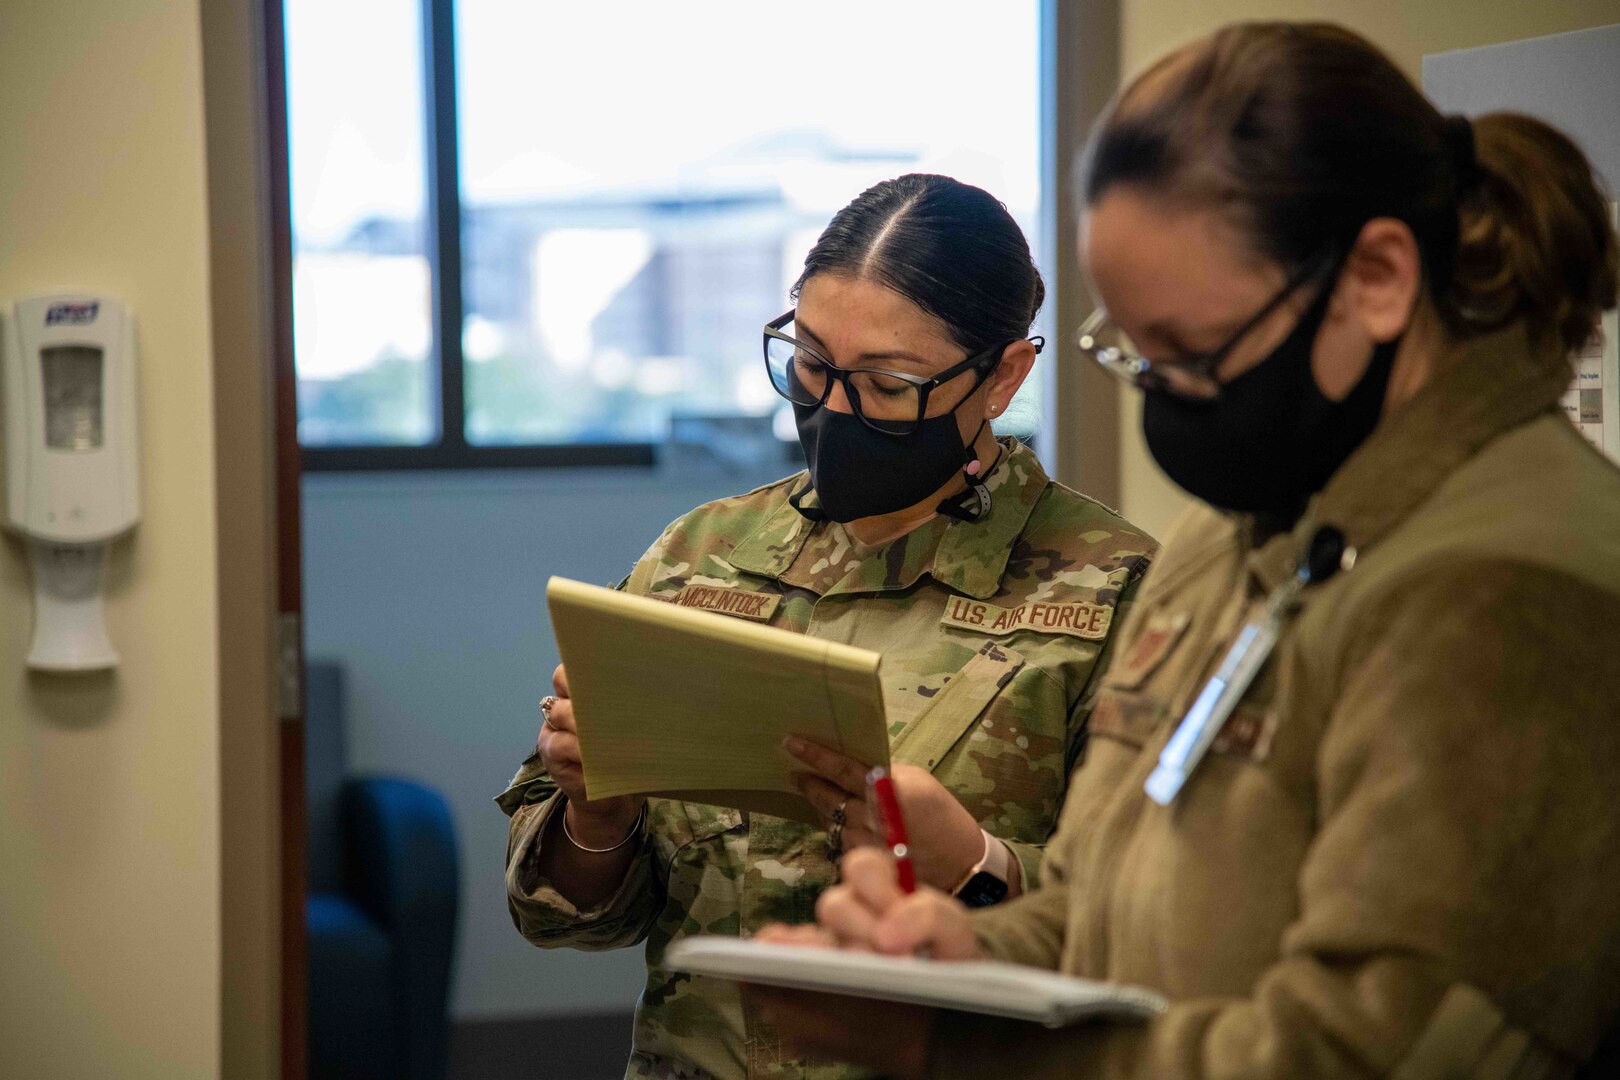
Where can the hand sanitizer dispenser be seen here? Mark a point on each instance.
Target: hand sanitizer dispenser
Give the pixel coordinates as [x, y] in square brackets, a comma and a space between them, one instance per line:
[70, 463]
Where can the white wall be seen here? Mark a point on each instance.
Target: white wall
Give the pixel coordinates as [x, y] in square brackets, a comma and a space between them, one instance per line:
[430, 587]
[109, 786]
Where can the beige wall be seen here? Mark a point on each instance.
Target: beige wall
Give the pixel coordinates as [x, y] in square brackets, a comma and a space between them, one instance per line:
[109, 787]
[1406, 29]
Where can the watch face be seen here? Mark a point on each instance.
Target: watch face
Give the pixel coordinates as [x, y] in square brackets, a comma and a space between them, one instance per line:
[982, 890]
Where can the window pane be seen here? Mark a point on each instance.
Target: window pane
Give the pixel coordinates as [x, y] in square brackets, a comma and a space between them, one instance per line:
[641, 182]
[361, 286]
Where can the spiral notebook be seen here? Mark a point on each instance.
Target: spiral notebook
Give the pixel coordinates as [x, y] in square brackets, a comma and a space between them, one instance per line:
[684, 703]
[983, 986]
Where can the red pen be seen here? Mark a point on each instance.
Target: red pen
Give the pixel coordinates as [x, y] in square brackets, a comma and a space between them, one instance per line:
[881, 785]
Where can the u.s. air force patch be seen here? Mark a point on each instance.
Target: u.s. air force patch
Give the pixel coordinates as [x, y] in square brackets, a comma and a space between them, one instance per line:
[739, 602]
[1080, 620]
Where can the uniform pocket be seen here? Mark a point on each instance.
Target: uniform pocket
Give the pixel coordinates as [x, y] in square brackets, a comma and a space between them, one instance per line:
[701, 853]
[675, 824]
[954, 710]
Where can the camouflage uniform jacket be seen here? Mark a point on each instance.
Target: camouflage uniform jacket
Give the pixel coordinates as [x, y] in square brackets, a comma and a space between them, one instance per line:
[1402, 856]
[990, 633]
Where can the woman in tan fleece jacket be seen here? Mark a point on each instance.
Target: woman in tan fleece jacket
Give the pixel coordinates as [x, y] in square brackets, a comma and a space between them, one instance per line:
[1401, 855]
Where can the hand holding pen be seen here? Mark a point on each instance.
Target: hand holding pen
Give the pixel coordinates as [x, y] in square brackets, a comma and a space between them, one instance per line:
[869, 910]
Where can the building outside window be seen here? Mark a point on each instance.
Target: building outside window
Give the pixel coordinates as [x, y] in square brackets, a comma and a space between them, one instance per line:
[634, 189]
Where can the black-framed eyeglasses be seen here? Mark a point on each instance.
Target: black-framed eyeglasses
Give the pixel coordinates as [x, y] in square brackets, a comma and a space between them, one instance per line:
[893, 402]
[1194, 377]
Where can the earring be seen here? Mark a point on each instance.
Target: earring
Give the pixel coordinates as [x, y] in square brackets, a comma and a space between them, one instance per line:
[995, 408]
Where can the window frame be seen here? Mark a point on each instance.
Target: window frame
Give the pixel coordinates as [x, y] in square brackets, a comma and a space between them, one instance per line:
[452, 451]
[444, 255]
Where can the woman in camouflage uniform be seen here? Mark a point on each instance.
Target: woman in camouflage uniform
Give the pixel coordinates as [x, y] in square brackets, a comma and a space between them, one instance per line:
[1400, 855]
[989, 589]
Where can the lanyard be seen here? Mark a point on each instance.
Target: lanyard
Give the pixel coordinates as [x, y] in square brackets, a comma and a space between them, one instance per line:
[1325, 554]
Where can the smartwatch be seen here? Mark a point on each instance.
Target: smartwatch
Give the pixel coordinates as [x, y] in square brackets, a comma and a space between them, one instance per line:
[986, 881]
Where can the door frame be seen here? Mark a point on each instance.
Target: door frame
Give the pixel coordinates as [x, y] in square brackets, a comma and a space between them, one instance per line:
[263, 993]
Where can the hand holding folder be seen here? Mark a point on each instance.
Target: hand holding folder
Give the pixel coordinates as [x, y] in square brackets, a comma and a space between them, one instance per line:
[687, 704]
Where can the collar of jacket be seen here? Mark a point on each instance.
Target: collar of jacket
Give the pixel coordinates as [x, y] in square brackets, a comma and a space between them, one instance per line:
[970, 557]
[1494, 384]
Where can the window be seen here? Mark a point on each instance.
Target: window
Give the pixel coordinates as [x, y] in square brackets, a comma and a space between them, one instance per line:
[362, 329]
[533, 233]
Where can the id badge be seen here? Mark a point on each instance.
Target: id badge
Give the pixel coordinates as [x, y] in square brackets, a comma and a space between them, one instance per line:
[1324, 556]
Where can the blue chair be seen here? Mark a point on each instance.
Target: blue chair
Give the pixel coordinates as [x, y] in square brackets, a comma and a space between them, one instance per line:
[381, 912]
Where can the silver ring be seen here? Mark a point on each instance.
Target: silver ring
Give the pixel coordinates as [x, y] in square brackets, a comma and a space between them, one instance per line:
[835, 840]
[546, 704]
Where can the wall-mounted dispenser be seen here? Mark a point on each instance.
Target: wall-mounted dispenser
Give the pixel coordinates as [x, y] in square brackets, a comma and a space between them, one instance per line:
[70, 463]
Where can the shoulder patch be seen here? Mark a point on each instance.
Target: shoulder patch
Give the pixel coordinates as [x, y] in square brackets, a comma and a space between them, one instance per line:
[1126, 718]
[1082, 620]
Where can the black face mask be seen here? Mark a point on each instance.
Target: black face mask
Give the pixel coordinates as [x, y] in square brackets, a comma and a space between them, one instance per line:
[858, 472]
[1271, 440]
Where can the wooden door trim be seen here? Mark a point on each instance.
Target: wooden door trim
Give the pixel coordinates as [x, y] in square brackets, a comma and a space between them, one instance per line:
[289, 561]
[262, 986]
[256, 549]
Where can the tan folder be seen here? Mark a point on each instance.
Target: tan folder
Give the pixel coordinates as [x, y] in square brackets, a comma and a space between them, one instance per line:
[684, 703]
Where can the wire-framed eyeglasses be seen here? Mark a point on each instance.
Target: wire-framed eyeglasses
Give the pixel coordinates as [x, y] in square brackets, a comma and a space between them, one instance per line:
[1193, 377]
[893, 402]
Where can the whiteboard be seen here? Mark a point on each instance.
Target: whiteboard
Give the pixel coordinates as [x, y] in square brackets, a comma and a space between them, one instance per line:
[1572, 81]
